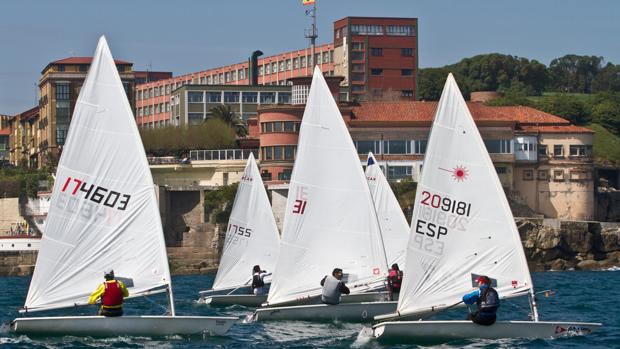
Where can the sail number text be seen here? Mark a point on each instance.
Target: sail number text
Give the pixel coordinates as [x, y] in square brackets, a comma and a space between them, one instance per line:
[237, 235]
[446, 204]
[97, 194]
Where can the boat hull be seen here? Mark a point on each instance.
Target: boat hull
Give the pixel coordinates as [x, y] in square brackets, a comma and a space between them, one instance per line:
[445, 331]
[346, 312]
[100, 326]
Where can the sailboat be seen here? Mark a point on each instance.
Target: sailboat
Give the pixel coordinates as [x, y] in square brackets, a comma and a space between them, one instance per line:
[330, 222]
[252, 239]
[392, 221]
[462, 228]
[104, 215]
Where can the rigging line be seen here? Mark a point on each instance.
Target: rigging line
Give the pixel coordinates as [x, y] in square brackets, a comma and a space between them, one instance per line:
[157, 304]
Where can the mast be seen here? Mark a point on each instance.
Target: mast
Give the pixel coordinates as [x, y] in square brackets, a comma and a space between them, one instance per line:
[312, 33]
[171, 299]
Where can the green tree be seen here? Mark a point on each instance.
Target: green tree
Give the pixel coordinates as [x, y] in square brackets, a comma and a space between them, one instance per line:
[572, 73]
[607, 79]
[224, 113]
[566, 106]
[430, 84]
[606, 111]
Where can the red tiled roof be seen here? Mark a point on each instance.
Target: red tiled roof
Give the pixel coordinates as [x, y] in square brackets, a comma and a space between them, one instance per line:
[555, 129]
[425, 111]
[82, 60]
[5, 131]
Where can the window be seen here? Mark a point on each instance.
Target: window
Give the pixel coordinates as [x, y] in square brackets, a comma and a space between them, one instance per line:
[194, 118]
[274, 67]
[325, 57]
[268, 153]
[290, 126]
[376, 72]
[337, 33]
[406, 93]
[267, 97]
[63, 91]
[558, 175]
[241, 74]
[281, 66]
[406, 72]
[277, 126]
[558, 151]
[83, 67]
[543, 175]
[61, 67]
[288, 64]
[399, 172]
[250, 97]
[579, 175]
[267, 69]
[303, 61]
[357, 56]
[357, 45]
[285, 175]
[231, 97]
[376, 51]
[400, 30]
[498, 146]
[366, 29]
[500, 170]
[194, 97]
[357, 67]
[419, 146]
[528, 175]
[358, 88]
[406, 52]
[267, 127]
[295, 63]
[363, 147]
[542, 150]
[357, 77]
[578, 150]
[396, 147]
[214, 97]
[284, 97]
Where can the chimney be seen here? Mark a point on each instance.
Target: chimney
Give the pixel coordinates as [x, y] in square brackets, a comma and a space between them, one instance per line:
[253, 71]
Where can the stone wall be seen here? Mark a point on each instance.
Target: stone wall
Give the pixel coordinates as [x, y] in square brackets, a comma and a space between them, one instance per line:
[17, 262]
[608, 206]
[198, 252]
[563, 245]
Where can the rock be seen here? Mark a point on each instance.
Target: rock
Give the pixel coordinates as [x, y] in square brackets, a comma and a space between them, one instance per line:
[576, 240]
[548, 238]
[561, 264]
[608, 240]
[587, 265]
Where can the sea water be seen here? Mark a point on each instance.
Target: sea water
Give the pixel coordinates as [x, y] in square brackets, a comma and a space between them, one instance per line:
[574, 296]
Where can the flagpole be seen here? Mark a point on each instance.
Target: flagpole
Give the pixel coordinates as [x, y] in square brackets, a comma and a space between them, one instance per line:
[312, 34]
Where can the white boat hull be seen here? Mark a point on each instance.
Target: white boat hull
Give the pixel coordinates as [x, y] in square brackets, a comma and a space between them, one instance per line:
[250, 300]
[444, 331]
[346, 312]
[100, 326]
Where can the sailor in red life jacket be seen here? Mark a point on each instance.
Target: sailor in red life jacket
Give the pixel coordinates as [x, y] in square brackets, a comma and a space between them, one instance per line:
[111, 292]
[394, 281]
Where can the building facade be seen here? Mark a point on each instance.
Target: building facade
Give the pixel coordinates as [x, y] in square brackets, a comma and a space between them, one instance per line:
[377, 56]
[540, 158]
[59, 87]
[24, 133]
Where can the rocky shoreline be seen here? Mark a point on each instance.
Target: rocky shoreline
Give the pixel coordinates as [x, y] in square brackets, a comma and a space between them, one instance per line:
[549, 244]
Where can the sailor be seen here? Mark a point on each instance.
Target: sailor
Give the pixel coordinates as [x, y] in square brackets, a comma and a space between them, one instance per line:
[111, 292]
[394, 281]
[486, 300]
[333, 287]
[258, 284]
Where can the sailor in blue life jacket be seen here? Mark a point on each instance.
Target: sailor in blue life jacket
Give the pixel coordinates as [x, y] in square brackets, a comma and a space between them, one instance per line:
[333, 287]
[394, 281]
[112, 292]
[258, 284]
[487, 301]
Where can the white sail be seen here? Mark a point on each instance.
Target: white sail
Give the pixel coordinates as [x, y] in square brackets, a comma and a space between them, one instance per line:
[329, 220]
[103, 211]
[252, 237]
[394, 226]
[462, 225]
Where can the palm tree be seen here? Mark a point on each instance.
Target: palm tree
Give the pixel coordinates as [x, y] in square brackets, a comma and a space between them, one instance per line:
[224, 113]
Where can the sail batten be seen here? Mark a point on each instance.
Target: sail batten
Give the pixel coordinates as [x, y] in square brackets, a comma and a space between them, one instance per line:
[98, 219]
[329, 219]
[245, 248]
[462, 226]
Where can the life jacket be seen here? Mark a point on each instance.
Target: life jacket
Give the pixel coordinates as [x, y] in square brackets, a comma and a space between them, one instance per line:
[395, 278]
[112, 295]
[488, 301]
[257, 281]
[331, 290]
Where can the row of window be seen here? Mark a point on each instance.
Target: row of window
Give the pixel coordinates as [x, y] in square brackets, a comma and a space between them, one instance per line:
[295, 63]
[379, 72]
[236, 96]
[278, 152]
[391, 147]
[557, 175]
[574, 150]
[280, 126]
[154, 109]
[374, 29]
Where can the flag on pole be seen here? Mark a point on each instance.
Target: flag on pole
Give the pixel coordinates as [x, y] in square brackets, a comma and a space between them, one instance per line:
[310, 12]
[308, 2]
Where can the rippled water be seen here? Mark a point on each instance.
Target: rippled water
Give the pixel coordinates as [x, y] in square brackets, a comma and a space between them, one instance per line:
[579, 296]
